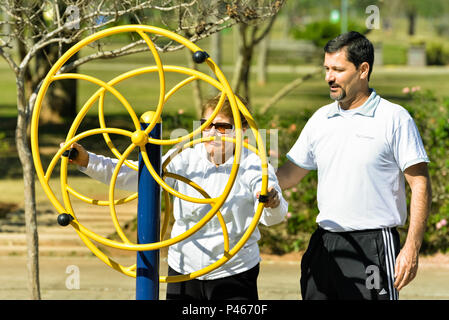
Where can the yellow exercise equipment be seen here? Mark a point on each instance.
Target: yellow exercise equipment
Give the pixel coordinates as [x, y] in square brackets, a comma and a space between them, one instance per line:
[138, 139]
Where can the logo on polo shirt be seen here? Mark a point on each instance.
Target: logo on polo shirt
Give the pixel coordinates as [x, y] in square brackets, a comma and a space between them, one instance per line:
[363, 136]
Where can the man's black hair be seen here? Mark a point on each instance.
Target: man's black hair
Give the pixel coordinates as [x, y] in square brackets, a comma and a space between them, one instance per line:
[358, 48]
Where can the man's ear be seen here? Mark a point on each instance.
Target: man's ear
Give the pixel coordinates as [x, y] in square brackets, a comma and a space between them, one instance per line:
[364, 70]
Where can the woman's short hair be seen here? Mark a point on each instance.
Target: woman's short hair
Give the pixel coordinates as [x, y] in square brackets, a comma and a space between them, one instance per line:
[226, 108]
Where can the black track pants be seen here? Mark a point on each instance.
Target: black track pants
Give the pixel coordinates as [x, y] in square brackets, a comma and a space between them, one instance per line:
[350, 265]
[242, 286]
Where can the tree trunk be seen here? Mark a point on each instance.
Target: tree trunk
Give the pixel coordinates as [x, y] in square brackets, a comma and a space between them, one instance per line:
[248, 40]
[61, 100]
[243, 66]
[239, 44]
[196, 91]
[411, 22]
[215, 53]
[262, 62]
[287, 89]
[26, 160]
[236, 73]
[28, 77]
[246, 72]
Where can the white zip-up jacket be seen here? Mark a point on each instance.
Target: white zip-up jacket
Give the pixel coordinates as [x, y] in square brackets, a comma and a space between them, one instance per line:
[206, 245]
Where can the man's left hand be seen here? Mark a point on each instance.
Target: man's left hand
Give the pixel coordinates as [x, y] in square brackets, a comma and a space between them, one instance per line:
[406, 267]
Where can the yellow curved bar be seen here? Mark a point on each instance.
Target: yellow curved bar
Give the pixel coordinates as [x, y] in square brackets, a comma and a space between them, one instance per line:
[105, 85]
[65, 194]
[63, 178]
[76, 138]
[129, 271]
[160, 103]
[196, 75]
[75, 125]
[223, 259]
[45, 177]
[152, 246]
[128, 245]
[141, 247]
[111, 193]
[204, 194]
[204, 139]
[104, 203]
[179, 86]
[49, 78]
[228, 254]
[166, 215]
[217, 109]
[106, 137]
[65, 186]
[85, 234]
[176, 193]
[166, 187]
[160, 70]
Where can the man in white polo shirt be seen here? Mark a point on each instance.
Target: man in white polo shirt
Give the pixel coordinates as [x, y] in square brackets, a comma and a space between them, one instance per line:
[364, 149]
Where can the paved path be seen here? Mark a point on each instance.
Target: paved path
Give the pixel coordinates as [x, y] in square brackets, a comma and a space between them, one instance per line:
[55, 240]
[62, 252]
[278, 280]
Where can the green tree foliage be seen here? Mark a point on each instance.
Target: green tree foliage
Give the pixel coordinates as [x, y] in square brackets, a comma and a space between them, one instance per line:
[320, 32]
[431, 115]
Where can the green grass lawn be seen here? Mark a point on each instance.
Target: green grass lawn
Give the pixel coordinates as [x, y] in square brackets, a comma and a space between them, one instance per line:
[142, 92]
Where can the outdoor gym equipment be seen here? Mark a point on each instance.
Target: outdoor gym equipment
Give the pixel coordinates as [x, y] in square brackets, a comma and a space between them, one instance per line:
[147, 137]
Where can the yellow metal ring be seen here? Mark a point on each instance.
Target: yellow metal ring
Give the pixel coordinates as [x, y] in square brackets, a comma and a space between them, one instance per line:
[222, 84]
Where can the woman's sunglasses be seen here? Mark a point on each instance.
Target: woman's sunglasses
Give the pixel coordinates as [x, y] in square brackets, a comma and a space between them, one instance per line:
[220, 127]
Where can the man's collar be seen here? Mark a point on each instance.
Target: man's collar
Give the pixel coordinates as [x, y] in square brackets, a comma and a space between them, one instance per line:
[367, 109]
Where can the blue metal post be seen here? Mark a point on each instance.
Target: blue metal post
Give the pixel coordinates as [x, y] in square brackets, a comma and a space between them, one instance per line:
[148, 219]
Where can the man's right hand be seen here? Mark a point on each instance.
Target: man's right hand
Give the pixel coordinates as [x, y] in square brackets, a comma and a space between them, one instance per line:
[82, 158]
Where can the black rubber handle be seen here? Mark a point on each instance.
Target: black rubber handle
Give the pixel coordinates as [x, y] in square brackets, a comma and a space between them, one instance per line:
[72, 153]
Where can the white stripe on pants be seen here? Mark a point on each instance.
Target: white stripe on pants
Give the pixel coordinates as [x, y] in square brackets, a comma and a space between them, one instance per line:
[390, 262]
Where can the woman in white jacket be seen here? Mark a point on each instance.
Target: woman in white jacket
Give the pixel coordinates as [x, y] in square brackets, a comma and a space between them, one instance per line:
[208, 164]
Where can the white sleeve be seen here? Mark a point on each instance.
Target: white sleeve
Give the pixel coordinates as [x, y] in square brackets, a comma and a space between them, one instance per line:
[272, 216]
[101, 168]
[407, 145]
[171, 166]
[301, 153]
[253, 178]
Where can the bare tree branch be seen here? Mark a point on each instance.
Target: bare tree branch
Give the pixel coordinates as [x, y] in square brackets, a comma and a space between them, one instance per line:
[289, 87]
[9, 60]
[126, 50]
